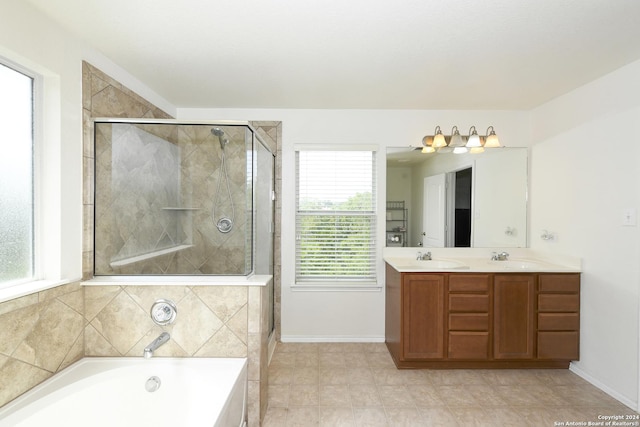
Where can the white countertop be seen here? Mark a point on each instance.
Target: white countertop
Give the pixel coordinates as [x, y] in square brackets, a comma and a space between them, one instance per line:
[461, 260]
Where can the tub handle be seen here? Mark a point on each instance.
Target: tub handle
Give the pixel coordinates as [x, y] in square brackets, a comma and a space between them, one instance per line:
[163, 312]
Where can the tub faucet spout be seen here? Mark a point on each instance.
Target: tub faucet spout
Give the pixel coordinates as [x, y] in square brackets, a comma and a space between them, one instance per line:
[155, 344]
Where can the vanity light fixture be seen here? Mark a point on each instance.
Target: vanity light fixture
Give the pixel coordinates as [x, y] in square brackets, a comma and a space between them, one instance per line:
[474, 138]
[438, 139]
[427, 145]
[458, 143]
[491, 140]
[456, 139]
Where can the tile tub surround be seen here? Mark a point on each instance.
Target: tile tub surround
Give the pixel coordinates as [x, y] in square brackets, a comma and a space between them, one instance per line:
[212, 321]
[357, 384]
[40, 334]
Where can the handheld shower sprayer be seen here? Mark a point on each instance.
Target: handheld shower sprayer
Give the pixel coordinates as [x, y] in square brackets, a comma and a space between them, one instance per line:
[224, 224]
[221, 137]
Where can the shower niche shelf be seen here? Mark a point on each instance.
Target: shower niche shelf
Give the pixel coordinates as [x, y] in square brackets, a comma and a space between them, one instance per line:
[144, 257]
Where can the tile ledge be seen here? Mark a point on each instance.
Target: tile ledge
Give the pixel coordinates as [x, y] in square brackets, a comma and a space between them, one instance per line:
[255, 280]
[24, 289]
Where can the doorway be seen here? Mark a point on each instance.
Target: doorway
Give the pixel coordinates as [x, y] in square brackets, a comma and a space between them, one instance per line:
[447, 210]
[461, 210]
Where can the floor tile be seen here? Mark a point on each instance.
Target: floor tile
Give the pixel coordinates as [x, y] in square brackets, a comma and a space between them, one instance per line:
[336, 416]
[357, 384]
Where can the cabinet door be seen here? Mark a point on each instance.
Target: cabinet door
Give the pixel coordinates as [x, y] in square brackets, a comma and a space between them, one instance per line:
[514, 316]
[423, 316]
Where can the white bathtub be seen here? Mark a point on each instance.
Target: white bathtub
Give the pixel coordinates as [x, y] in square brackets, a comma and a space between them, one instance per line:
[108, 392]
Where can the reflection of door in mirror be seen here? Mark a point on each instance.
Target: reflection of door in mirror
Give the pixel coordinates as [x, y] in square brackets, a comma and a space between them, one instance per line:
[434, 209]
[447, 209]
[461, 209]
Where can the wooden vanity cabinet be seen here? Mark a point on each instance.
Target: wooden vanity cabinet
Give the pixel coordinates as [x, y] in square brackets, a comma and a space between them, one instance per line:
[514, 316]
[558, 316]
[483, 320]
[423, 316]
[469, 303]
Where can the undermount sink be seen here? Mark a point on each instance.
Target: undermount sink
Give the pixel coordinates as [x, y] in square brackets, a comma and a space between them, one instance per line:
[434, 264]
[518, 264]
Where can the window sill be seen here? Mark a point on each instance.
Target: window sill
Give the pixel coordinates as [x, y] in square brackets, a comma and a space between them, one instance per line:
[23, 289]
[332, 287]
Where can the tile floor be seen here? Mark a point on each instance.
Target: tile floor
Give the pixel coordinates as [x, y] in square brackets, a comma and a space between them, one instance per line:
[357, 384]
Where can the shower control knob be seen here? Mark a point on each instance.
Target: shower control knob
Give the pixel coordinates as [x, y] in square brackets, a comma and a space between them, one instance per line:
[163, 312]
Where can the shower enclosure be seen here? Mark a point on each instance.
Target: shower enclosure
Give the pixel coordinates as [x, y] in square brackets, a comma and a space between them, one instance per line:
[176, 198]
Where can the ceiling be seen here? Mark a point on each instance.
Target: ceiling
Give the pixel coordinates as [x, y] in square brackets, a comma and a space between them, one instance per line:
[365, 54]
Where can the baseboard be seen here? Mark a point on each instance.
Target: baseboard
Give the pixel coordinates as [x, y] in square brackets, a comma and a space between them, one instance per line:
[585, 376]
[308, 339]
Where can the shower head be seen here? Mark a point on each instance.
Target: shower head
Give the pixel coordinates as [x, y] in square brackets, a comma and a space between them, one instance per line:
[217, 132]
[220, 134]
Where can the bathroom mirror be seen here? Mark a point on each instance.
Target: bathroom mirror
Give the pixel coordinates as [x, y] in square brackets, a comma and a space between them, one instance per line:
[457, 200]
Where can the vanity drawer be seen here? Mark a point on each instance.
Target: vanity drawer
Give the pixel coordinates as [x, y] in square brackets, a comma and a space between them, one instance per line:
[468, 345]
[558, 302]
[558, 321]
[469, 303]
[469, 283]
[558, 345]
[469, 322]
[559, 283]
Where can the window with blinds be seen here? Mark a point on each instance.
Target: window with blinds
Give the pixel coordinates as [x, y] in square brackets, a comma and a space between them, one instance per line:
[335, 217]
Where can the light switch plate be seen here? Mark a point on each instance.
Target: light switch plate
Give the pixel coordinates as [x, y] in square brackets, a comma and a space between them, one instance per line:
[629, 217]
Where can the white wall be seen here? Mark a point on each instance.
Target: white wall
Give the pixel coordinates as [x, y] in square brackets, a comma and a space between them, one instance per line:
[34, 42]
[585, 173]
[309, 316]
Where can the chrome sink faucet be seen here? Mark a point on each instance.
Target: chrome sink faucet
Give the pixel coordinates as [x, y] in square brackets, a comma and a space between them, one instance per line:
[155, 344]
[502, 256]
[424, 256]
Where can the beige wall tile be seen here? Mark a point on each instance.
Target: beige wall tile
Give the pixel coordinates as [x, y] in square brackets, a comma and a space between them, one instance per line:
[97, 345]
[195, 324]
[58, 291]
[17, 377]
[255, 309]
[146, 296]
[238, 324]
[224, 343]
[16, 326]
[18, 303]
[55, 332]
[224, 301]
[97, 297]
[122, 322]
[75, 300]
[75, 353]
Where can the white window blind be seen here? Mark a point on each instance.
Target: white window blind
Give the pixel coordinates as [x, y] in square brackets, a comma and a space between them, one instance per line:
[335, 217]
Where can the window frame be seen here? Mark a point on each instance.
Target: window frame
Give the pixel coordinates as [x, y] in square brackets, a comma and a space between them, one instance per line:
[371, 282]
[35, 109]
[47, 190]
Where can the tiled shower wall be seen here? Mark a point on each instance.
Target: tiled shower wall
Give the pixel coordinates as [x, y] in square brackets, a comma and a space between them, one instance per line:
[157, 186]
[44, 332]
